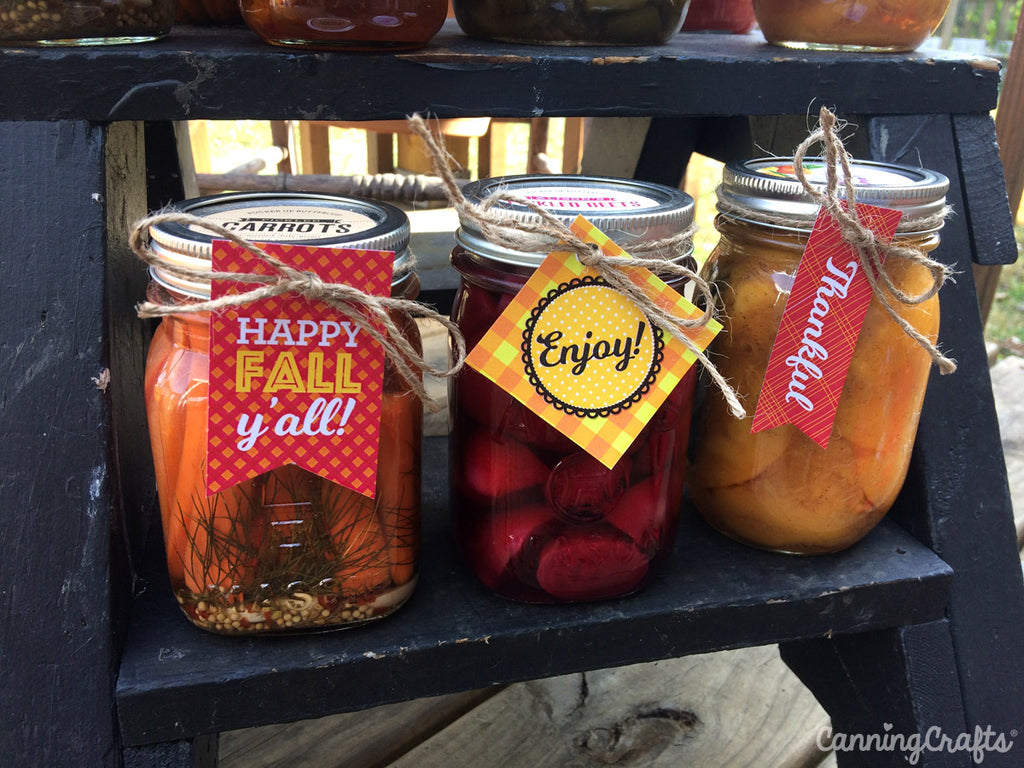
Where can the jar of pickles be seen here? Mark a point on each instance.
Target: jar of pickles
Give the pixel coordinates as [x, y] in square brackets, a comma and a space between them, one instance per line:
[346, 25]
[856, 25]
[83, 22]
[538, 518]
[778, 489]
[598, 22]
[287, 550]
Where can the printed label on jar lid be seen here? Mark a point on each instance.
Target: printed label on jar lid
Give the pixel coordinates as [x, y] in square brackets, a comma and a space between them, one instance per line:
[291, 380]
[819, 329]
[290, 224]
[584, 357]
[864, 176]
[584, 200]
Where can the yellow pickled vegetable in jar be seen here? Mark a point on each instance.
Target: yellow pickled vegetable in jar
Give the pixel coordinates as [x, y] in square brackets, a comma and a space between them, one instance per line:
[778, 489]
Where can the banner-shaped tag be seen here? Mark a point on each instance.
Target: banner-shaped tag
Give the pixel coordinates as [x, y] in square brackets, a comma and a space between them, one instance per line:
[819, 329]
[583, 356]
[292, 381]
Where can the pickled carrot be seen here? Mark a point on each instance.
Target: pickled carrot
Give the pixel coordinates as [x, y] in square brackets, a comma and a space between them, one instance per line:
[398, 482]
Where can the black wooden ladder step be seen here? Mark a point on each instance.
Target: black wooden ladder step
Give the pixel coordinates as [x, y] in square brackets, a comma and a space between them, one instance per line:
[177, 681]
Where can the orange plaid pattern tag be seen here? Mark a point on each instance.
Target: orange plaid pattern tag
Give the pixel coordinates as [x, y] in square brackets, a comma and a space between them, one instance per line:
[582, 356]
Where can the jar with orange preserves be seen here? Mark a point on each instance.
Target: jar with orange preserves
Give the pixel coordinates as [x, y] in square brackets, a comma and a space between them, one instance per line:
[287, 550]
[860, 25]
[346, 25]
[777, 489]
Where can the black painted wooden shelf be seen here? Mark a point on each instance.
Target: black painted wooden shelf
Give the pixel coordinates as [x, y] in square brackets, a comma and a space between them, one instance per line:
[228, 73]
[178, 681]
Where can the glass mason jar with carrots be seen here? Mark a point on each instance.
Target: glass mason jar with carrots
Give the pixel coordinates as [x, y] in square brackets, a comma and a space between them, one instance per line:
[778, 489]
[286, 550]
[538, 518]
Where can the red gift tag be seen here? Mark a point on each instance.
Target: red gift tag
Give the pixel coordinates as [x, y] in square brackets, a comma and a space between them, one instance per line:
[292, 381]
[819, 329]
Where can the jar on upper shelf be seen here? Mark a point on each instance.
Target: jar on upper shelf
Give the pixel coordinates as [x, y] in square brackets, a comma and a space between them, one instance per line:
[286, 550]
[346, 25]
[777, 488]
[735, 16]
[539, 518]
[856, 25]
[554, 22]
[83, 22]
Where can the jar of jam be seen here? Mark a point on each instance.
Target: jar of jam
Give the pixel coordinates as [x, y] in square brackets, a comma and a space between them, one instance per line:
[346, 25]
[615, 22]
[287, 550]
[735, 16]
[778, 489]
[855, 25]
[83, 22]
[537, 517]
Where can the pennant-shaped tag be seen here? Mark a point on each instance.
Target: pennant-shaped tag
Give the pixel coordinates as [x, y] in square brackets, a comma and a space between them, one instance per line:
[583, 356]
[291, 380]
[819, 329]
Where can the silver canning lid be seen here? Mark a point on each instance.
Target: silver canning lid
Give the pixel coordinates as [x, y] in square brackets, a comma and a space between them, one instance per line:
[769, 186]
[272, 217]
[626, 210]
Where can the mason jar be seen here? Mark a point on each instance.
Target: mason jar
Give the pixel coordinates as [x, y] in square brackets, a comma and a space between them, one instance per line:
[855, 25]
[287, 550]
[83, 22]
[538, 518]
[778, 489]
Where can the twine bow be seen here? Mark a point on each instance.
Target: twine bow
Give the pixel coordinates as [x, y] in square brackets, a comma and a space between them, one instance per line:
[534, 236]
[870, 250]
[369, 313]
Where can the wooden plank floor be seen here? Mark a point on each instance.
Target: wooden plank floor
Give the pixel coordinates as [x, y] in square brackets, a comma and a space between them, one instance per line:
[733, 709]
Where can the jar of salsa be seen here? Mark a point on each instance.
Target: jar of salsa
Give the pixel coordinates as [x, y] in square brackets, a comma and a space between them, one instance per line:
[287, 550]
[537, 517]
[777, 489]
[346, 25]
[856, 25]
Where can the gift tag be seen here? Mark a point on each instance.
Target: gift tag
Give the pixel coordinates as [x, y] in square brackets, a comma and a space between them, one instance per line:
[819, 329]
[292, 380]
[583, 356]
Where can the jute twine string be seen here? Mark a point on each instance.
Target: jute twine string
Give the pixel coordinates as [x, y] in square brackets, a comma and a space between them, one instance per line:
[369, 313]
[500, 228]
[870, 250]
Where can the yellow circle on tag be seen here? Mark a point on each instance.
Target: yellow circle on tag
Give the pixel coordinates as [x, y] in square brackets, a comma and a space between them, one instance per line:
[590, 348]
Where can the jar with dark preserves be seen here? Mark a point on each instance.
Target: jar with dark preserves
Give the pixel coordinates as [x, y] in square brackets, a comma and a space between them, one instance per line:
[287, 550]
[84, 22]
[577, 22]
[538, 518]
[349, 25]
[735, 16]
[859, 25]
[778, 489]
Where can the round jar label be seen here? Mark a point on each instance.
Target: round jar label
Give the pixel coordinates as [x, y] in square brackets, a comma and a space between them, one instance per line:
[864, 176]
[585, 200]
[590, 363]
[291, 224]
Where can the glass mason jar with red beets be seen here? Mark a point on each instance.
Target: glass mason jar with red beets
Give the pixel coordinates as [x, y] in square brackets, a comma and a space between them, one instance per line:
[287, 550]
[537, 517]
[778, 489]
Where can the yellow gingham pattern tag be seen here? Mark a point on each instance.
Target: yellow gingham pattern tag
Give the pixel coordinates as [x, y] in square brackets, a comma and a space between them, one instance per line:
[583, 356]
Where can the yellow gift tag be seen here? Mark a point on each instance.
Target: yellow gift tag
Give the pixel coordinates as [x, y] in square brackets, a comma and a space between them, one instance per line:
[583, 356]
